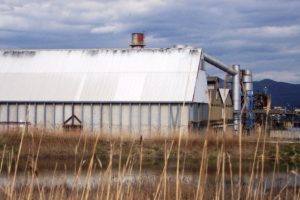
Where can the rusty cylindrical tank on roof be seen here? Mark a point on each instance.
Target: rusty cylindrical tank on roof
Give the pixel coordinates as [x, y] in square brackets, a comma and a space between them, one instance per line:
[137, 40]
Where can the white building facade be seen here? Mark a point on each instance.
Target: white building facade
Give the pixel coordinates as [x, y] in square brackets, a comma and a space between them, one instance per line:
[108, 90]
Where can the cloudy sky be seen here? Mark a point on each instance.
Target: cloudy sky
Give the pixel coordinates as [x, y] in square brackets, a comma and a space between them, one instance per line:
[262, 35]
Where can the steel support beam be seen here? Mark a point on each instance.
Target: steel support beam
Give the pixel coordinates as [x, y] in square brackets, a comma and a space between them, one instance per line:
[26, 113]
[35, 114]
[169, 116]
[120, 117]
[17, 112]
[82, 114]
[63, 113]
[179, 115]
[130, 118]
[73, 113]
[110, 116]
[101, 116]
[53, 115]
[159, 117]
[149, 117]
[92, 117]
[45, 115]
[7, 112]
[140, 118]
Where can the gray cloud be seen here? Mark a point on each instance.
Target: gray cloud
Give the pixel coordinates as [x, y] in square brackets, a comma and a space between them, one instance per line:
[261, 35]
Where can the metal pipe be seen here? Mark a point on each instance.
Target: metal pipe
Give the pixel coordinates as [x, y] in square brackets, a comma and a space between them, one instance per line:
[236, 98]
[211, 60]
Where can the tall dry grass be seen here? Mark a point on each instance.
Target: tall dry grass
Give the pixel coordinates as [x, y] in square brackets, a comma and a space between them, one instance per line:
[220, 184]
[123, 175]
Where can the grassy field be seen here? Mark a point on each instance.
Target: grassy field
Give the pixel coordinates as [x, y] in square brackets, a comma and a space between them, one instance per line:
[66, 147]
[219, 163]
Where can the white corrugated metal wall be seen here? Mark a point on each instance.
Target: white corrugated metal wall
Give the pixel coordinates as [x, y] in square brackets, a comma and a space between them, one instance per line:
[98, 117]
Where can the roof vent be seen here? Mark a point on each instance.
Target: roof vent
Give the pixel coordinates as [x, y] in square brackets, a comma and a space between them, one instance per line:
[183, 46]
[179, 46]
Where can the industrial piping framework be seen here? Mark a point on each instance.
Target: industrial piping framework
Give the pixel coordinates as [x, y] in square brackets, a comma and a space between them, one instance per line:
[235, 73]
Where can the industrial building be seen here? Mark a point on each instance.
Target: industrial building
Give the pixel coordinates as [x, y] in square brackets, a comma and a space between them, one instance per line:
[220, 101]
[132, 90]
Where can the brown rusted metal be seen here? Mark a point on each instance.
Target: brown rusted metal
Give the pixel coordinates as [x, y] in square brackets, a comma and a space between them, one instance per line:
[137, 40]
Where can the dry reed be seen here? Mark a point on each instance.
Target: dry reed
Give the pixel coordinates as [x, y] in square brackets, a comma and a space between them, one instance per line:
[126, 152]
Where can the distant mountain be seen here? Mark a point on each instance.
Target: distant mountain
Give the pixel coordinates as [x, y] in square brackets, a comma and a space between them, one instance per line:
[283, 94]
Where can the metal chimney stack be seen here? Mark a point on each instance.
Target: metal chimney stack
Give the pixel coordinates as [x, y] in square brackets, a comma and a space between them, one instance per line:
[236, 90]
[248, 94]
[137, 40]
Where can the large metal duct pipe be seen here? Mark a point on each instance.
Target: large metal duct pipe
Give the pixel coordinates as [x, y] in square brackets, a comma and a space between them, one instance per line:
[236, 90]
[211, 60]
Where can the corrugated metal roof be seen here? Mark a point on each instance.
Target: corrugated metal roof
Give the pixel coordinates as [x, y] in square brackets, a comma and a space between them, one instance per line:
[110, 75]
